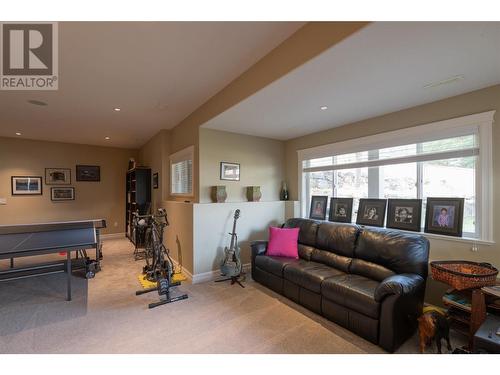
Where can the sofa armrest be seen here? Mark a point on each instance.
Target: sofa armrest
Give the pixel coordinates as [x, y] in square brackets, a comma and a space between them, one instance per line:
[402, 284]
[258, 247]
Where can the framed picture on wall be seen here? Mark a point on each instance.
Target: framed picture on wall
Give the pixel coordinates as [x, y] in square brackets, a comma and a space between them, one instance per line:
[155, 181]
[444, 216]
[318, 207]
[26, 185]
[229, 171]
[340, 210]
[371, 212]
[90, 173]
[58, 194]
[57, 176]
[404, 214]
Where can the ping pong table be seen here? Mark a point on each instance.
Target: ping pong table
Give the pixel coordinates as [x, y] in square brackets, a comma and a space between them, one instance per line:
[26, 240]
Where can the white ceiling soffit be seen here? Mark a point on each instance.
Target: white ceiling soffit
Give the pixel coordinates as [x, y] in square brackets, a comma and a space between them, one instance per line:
[383, 68]
[157, 73]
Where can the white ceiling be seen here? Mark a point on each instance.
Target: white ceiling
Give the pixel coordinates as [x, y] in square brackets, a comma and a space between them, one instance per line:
[381, 69]
[156, 72]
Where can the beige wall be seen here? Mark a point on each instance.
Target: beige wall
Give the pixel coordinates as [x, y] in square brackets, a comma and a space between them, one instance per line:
[478, 101]
[104, 199]
[154, 154]
[262, 163]
[179, 234]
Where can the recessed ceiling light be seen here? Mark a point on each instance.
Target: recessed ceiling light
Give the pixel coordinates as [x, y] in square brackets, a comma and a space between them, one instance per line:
[107, 138]
[323, 108]
[18, 133]
[37, 102]
[444, 81]
[118, 109]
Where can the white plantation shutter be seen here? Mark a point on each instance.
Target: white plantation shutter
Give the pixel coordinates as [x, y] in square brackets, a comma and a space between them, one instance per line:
[181, 172]
[182, 177]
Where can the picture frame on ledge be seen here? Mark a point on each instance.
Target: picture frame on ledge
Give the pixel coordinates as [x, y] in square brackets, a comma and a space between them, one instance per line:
[90, 173]
[371, 212]
[405, 214]
[57, 176]
[26, 185]
[318, 207]
[340, 210]
[229, 171]
[59, 194]
[444, 216]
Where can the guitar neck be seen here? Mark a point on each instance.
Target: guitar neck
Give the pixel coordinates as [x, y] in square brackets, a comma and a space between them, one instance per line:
[233, 236]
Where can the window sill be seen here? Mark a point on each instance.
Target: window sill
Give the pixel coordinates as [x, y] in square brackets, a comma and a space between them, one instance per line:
[468, 240]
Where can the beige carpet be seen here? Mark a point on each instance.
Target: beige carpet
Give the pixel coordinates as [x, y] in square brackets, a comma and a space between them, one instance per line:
[105, 316]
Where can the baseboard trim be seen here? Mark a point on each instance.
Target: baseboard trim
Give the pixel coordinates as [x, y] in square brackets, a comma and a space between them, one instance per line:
[185, 272]
[193, 279]
[109, 236]
[212, 275]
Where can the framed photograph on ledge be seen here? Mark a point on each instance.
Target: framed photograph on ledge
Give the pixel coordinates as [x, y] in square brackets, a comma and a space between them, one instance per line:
[26, 185]
[340, 210]
[404, 214]
[58, 194]
[318, 207]
[371, 212]
[444, 216]
[229, 171]
[57, 176]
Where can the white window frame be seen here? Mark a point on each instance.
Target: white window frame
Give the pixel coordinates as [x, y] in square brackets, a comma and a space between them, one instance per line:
[480, 124]
[184, 154]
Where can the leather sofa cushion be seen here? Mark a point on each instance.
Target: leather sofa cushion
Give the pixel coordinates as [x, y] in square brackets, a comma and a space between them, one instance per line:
[308, 230]
[370, 270]
[355, 292]
[272, 264]
[337, 238]
[331, 259]
[397, 251]
[305, 251]
[309, 275]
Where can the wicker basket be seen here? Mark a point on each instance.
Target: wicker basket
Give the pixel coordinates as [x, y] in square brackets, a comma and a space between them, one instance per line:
[462, 274]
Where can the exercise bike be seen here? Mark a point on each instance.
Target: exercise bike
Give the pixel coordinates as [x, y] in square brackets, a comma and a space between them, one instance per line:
[159, 266]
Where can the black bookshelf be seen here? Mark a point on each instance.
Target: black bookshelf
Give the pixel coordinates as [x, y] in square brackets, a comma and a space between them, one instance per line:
[138, 197]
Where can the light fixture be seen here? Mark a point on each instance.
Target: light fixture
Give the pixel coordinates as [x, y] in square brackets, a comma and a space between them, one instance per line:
[323, 108]
[118, 109]
[18, 134]
[107, 138]
[444, 81]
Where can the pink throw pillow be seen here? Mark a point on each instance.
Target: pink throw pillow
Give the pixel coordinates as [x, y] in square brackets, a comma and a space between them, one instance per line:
[283, 242]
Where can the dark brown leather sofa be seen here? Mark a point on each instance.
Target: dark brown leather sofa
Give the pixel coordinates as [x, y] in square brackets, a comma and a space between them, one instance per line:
[369, 280]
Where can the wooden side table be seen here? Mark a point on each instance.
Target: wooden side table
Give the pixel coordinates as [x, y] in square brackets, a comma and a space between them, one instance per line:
[466, 316]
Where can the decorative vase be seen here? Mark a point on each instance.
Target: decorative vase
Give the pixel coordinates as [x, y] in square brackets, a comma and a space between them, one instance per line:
[253, 193]
[219, 194]
[284, 192]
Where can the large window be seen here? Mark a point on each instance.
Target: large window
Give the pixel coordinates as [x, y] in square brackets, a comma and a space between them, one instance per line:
[447, 159]
[181, 172]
